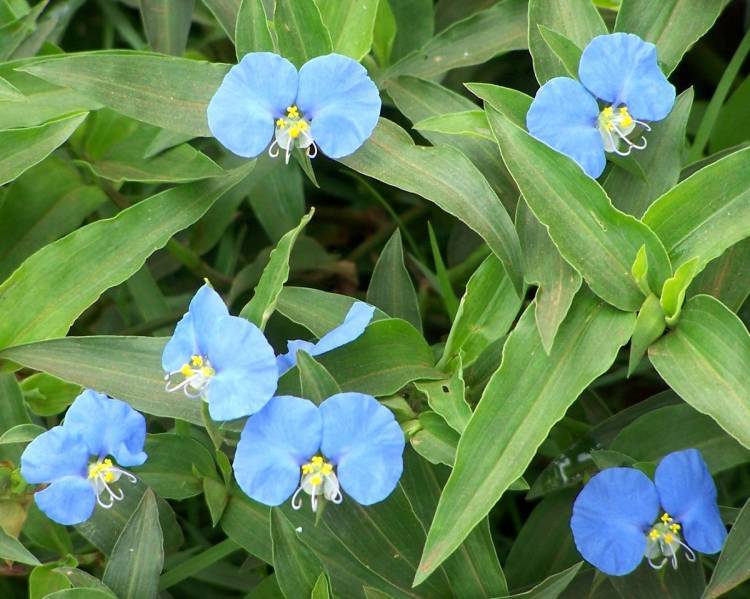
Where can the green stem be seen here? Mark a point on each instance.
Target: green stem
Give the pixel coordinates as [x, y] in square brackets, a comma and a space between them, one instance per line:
[197, 563]
[717, 101]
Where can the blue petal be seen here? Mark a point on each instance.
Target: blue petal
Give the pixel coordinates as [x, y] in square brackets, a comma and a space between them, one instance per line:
[341, 101]
[273, 446]
[253, 94]
[354, 324]
[621, 68]
[68, 500]
[245, 365]
[54, 454]
[688, 494]
[288, 360]
[362, 438]
[191, 333]
[108, 427]
[181, 346]
[564, 116]
[611, 516]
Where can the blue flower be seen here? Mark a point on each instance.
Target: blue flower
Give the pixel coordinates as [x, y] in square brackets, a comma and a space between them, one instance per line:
[349, 442]
[78, 459]
[615, 521]
[329, 104]
[223, 359]
[620, 70]
[354, 324]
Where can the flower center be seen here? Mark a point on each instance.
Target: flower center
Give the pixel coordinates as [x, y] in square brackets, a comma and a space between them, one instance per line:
[317, 478]
[195, 374]
[614, 125]
[101, 474]
[664, 541]
[292, 131]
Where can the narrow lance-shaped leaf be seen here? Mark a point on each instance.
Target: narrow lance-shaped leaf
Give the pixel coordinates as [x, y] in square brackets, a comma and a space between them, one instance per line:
[252, 34]
[391, 288]
[351, 24]
[733, 567]
[20, 149]
[259, 309]
[527, 395]
[316, 383]
[41, 300]
[297, 569]
[598, 240]
[137, 558]
[446, 177]
[13, 550]
[167, 24]
[707, 212]
[706, 359]
[300, 31]
[168, 92]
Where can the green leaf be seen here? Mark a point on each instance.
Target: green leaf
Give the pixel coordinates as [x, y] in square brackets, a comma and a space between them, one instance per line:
[727, 277]
[277, 196]
[9, 92]
[300, 31]
[317, 311]
[557, 282]
[446, 177]
[389, 355]
[12, 409]
[435, 441]
[576, 20]
[448, 398]
[706, 213]
[487, 310]
[563, 48]
[44, 581]
[444, 285]
[259, 309]
[167, 24]
[252, 33]
[414, 25]
[391, 288]
[673, 25]
[226, 13]
[467, 122]
[128, 368]
[384, 33]
[246, 522]
[511, 102]
[649, 326]
[673, 428]
[474, 40]
[216, 496]
[82, 593]
[316, 382]
[133, 568]
[321, 589]
[168, 92]
[297, 569]
[598, 240]
[660, 162]
[61, 202]
[639, 270]
[706, 360]
[686, 581]
[172, 463]
[13, 34]
[527, 395]
[351, 24]
[673, 292]
[551, 587]
[20, 149]
[41, 300]
[13, 550]
[732, 126]
[733, 567]
[418, 99]
[21, 433]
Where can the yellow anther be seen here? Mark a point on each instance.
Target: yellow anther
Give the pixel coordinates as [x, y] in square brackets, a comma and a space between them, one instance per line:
[103, 468]
[654, 534]
[292, 112]
[326, 469]
[306, 468]
[608, 112]
[207, 371]
[316, 480]
[665, 518]
[668, 538]
[317, 460]
[186, 371]
[675, 528]
[294, 131]
[197, 361]
[280, 123]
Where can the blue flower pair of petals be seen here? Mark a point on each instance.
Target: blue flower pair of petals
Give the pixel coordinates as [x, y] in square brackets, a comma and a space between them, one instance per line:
[95, 427]
[354, 432]
[244, 369]
[616, 509]
[620, 69]
[333, 92]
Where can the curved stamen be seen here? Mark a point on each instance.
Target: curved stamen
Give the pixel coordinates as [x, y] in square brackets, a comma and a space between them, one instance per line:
[288, 150]
[271, 152]
[296, 501]
[312, 150]
[631, 144]
[655, 566]
[337, 498]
